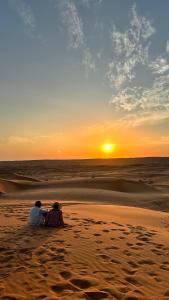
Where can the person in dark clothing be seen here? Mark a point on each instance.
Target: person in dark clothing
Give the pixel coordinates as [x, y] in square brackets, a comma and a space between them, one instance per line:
[54, 217]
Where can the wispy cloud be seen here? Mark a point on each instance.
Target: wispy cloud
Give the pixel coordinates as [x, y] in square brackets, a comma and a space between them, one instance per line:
[130, 48]
[26, 139]
[144, 119]
[25, 14]
[27, 17]
[88, 62]
[163, 140]
[74, 26]
[73, 23]
[88, 2]
[19, 140]
[160, 65]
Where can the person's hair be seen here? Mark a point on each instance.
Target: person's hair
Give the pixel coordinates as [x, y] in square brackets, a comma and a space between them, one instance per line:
[38, 203]
[56, 205]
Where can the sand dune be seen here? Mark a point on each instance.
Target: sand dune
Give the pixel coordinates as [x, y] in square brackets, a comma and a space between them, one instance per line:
[26, 178]
[8, 186]
[113, 252]
[106, 252]
[108, 183]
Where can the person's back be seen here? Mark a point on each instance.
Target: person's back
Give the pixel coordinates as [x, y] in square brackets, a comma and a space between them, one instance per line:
[36, 216]
[54, 217]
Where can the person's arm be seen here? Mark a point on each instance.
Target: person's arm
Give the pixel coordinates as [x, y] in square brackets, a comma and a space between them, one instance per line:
[43, 212]
[47, 219]
[61, 218]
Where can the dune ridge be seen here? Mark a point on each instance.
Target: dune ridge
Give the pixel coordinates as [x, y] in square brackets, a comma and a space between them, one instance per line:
[108, 183]
[9, 186]
[26, 178]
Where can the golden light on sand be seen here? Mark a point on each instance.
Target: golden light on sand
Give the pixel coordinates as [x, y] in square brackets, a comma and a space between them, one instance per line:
[108, 148]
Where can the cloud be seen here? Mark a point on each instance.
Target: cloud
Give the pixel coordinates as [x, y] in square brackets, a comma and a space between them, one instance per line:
[160, 65]
[141, 99]
[162, 140]
[145, 119]
[72, 22]
[130, 48]
[88, 2]
[25, 14]
[19, 140]
[28, 19]
[88, 62]
[142, 104]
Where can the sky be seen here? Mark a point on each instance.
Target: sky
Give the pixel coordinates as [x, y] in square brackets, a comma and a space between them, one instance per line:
[77, 74]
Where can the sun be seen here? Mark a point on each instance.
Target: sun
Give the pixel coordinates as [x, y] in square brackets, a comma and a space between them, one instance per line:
[108, 148]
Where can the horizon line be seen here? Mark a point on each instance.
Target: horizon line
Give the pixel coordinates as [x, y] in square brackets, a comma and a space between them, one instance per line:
[69, 159]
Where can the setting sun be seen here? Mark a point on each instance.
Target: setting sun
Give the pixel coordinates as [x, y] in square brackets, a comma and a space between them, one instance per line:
[108, 148]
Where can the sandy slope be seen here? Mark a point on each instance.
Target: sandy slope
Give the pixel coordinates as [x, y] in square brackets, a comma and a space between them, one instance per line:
[104, 189]
[107, 252]
[117, 252]
[105, 183]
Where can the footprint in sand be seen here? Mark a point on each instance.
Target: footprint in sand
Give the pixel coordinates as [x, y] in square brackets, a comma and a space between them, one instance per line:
[117, 224]
[129, 244]
[99, 242]
[132, 280]
[143, 238]
[133, 264]
[135, 248]
[61, 250]
[140, 244]
[121, 237]
[129, 272]
[59, 241]
[113, 239]
[66, 274]
[61, 287]
[152, 273]
[82, 283]
[115, 261]
[112, 248]
[127, 252]
[104, 257]
[96, 295]
[77, 231]
[157, 252]
[166, 294]
[146, 262]
[164, 267]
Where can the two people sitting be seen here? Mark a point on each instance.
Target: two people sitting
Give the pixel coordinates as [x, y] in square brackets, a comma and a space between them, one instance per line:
[52, 218]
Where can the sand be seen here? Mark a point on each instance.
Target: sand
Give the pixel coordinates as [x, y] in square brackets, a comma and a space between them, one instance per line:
[115, 245]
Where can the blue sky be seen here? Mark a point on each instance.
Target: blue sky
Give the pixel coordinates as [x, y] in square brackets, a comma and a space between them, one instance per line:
[88, 69]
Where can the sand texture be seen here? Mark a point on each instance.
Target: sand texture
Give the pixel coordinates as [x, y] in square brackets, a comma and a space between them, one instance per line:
[116, 243]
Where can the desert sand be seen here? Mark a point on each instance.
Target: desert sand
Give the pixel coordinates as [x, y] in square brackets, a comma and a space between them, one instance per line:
[115, 245]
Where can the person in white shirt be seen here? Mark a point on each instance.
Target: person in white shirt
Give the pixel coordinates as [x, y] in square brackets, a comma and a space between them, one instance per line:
[37, 215]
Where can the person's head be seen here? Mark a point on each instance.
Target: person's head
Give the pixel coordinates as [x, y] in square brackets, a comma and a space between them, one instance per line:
[56, 205]
[38, 203]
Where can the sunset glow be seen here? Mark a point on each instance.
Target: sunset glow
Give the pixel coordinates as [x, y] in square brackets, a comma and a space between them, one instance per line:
[91, 82]
[108, 148]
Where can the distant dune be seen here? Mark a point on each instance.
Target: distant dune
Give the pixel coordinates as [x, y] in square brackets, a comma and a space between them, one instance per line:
[27, 178]
[9, 186]
[108, 183]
